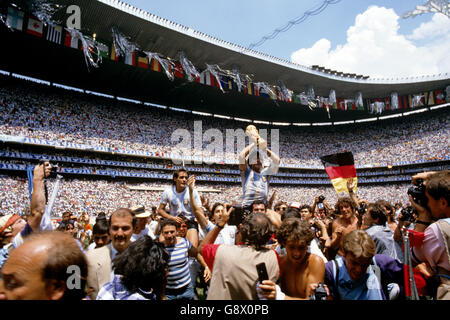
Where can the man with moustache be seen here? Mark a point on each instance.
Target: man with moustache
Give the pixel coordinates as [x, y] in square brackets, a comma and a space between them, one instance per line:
[121, 225]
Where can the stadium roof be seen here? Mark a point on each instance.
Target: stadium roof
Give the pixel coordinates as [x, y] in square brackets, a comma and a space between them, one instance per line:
[155, 34]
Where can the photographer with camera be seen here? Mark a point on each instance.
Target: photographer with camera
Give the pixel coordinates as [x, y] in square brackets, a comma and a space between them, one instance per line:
[430, 196]
[320, 207]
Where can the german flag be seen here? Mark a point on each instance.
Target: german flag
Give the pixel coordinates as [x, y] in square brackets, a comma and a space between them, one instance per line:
[340, 167]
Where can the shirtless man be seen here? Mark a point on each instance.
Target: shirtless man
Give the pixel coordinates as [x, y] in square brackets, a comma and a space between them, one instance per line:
[347, 222]
[299, 268]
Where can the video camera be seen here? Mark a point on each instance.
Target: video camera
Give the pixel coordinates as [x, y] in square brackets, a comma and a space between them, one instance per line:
[408, 214]
[321, 293]
[54, 166]
[237, 216]
[362, 208]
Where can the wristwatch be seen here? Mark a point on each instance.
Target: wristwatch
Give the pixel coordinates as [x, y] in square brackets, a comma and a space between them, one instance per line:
[423, 222]
[218, 226]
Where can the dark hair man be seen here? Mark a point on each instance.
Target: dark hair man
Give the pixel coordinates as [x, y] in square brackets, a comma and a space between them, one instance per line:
[435, 247]
[140, 272]
[121, 224]
[234, 275]
[183, 200]
[39, 269]
[299, 268]
[361, 274]
[345, 223]
[255, 179]
[100, 234]
[179, 277]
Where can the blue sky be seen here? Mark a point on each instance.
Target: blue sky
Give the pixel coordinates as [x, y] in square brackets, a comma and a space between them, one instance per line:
[341, 37]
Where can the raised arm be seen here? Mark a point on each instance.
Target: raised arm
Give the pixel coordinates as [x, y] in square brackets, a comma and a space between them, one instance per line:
[244, 153]
[212, 235]
[37, 206]
[196, 209]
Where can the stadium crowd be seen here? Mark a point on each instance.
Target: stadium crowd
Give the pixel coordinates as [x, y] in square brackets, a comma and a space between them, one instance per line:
[179, 241]
[71, 117]
[93, 196]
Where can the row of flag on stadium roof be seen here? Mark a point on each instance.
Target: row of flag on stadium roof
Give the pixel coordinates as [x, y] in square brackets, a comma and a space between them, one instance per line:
[213, 76]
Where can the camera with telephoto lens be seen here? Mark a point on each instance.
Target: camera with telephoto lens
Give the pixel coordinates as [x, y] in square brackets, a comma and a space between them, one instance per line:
[408, 214]
[54, 166]
[237, 216]
[321, 293]
[417, 192]
[362, 208]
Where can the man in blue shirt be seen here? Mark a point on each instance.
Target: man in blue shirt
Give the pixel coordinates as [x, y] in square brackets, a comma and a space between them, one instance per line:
[361, 274]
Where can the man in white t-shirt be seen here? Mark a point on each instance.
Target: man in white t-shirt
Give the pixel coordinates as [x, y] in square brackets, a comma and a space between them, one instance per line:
[182, 201]
[141, 228]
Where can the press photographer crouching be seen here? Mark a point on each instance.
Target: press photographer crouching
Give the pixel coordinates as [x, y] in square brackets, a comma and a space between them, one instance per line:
[430, 196]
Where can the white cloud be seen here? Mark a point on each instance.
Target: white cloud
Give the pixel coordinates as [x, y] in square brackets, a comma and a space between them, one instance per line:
[438, 26]
[375, 48]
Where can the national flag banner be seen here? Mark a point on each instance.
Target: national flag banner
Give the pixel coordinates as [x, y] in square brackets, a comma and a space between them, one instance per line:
[418, 100]
[439, 96]
[35, 27]
[340, 167]
[274, 94]
[208, 79]
[350, 104]
[54, 34]
[263, 92]
[341, 103]
[387, 103]
[142, 60]
[113, 54]
[429, 98]
[403, 102]
[103, 50]
[249, 88]
[14, 18]
[296, 98]
[227, 83]
[155, 65]
[178, 70]
[69, 41]
[130, 58]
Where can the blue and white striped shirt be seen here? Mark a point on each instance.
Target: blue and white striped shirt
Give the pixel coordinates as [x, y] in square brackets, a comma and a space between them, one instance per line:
[179, 275]
[115, 290]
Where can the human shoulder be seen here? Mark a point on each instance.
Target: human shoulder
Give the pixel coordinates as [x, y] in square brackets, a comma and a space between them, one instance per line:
[315, 261]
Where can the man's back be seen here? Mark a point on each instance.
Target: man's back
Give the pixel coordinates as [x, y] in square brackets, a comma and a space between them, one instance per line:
[384, 241]
[234, 272]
